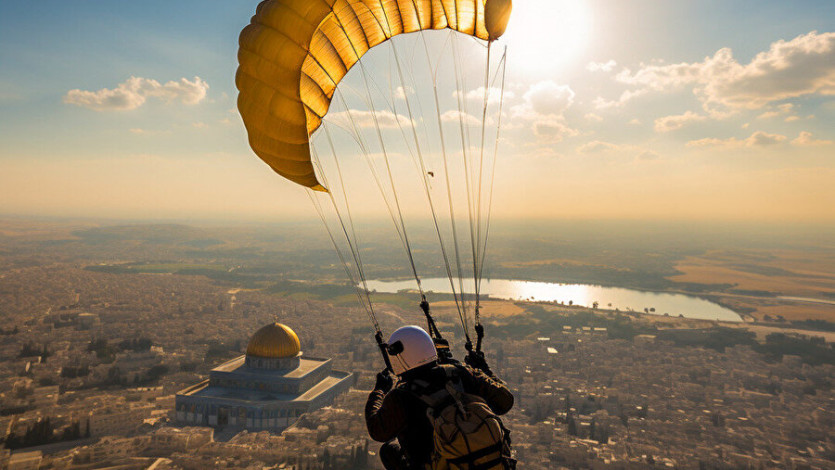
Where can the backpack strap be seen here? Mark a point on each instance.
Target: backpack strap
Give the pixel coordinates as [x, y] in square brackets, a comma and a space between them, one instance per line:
[453, 375]
[470, 459]
[434, 400]
[449, 394]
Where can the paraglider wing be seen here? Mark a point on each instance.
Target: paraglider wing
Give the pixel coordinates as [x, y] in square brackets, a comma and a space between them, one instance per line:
[294, 53]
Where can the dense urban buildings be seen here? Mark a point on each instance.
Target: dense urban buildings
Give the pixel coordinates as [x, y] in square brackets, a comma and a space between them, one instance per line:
[93, 356]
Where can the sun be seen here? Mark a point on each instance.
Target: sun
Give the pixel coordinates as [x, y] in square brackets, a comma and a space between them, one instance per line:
[547, 34]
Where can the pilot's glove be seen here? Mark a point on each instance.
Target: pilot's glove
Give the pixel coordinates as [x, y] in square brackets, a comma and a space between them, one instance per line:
[476, 360]
[385, 381]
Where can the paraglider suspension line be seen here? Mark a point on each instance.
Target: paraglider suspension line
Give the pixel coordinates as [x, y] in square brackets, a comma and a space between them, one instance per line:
[423, 178]
[460, 305]
[425, 182]
[367, 305]
[477, 259]
[490, 197]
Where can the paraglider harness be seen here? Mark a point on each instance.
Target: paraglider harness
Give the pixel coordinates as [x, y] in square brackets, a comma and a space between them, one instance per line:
[460, 421]
[467, 434]
[441, 345]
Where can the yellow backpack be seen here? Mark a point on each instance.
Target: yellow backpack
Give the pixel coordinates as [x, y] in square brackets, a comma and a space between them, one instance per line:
[467, 434]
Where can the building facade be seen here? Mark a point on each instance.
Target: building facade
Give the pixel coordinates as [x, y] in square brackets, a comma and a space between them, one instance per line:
[269, 387]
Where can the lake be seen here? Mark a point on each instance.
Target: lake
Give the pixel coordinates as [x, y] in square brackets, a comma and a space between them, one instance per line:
[609, 298]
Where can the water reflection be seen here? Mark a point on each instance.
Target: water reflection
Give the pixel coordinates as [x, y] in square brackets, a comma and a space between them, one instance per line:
[578, 294]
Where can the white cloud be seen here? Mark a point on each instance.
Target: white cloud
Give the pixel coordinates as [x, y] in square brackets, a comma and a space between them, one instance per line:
[494, 94]
[802, 66]
[757, 139]
[675, 122]
[805, 140]
[768, 115]
[135, 91]
[457, 116]
[401, 93]
[786, 108]
[782, 109]
[593, 117]
[365, 119]
[764, 139]
[189, 92]
[638, 153]
[200, 125]
[542, 109]
[625, 97]
[546, 98]
[598, 146]
[601, 66]
[553, 131]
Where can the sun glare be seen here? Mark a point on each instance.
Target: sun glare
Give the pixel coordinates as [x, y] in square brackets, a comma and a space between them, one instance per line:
[544, 34]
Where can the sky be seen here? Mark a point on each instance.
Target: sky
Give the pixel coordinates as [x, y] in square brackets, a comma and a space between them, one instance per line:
[613, 109]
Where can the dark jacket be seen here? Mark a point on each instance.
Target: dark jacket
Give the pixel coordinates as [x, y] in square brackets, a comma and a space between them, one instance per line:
[401, 414]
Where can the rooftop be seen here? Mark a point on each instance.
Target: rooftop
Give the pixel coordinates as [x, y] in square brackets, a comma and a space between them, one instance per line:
[238, 367]
[236, 395]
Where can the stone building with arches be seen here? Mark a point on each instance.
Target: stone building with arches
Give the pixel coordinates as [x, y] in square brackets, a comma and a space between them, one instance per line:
[269, 387]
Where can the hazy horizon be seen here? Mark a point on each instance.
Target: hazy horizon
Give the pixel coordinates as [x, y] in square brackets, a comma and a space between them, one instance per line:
[384, 220]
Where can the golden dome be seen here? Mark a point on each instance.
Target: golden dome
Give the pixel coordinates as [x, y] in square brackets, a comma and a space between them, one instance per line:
[274, 341]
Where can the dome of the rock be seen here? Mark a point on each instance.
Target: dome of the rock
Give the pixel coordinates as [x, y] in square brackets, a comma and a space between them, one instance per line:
[274, 341]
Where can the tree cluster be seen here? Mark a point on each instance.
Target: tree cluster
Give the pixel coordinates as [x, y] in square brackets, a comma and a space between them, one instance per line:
[357, 460]
[812, 350]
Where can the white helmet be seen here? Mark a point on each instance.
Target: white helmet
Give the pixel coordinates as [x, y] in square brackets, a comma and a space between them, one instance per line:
[410, 347]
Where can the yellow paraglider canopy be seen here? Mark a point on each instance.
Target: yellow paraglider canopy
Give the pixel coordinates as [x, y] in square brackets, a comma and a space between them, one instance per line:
[294, 53]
